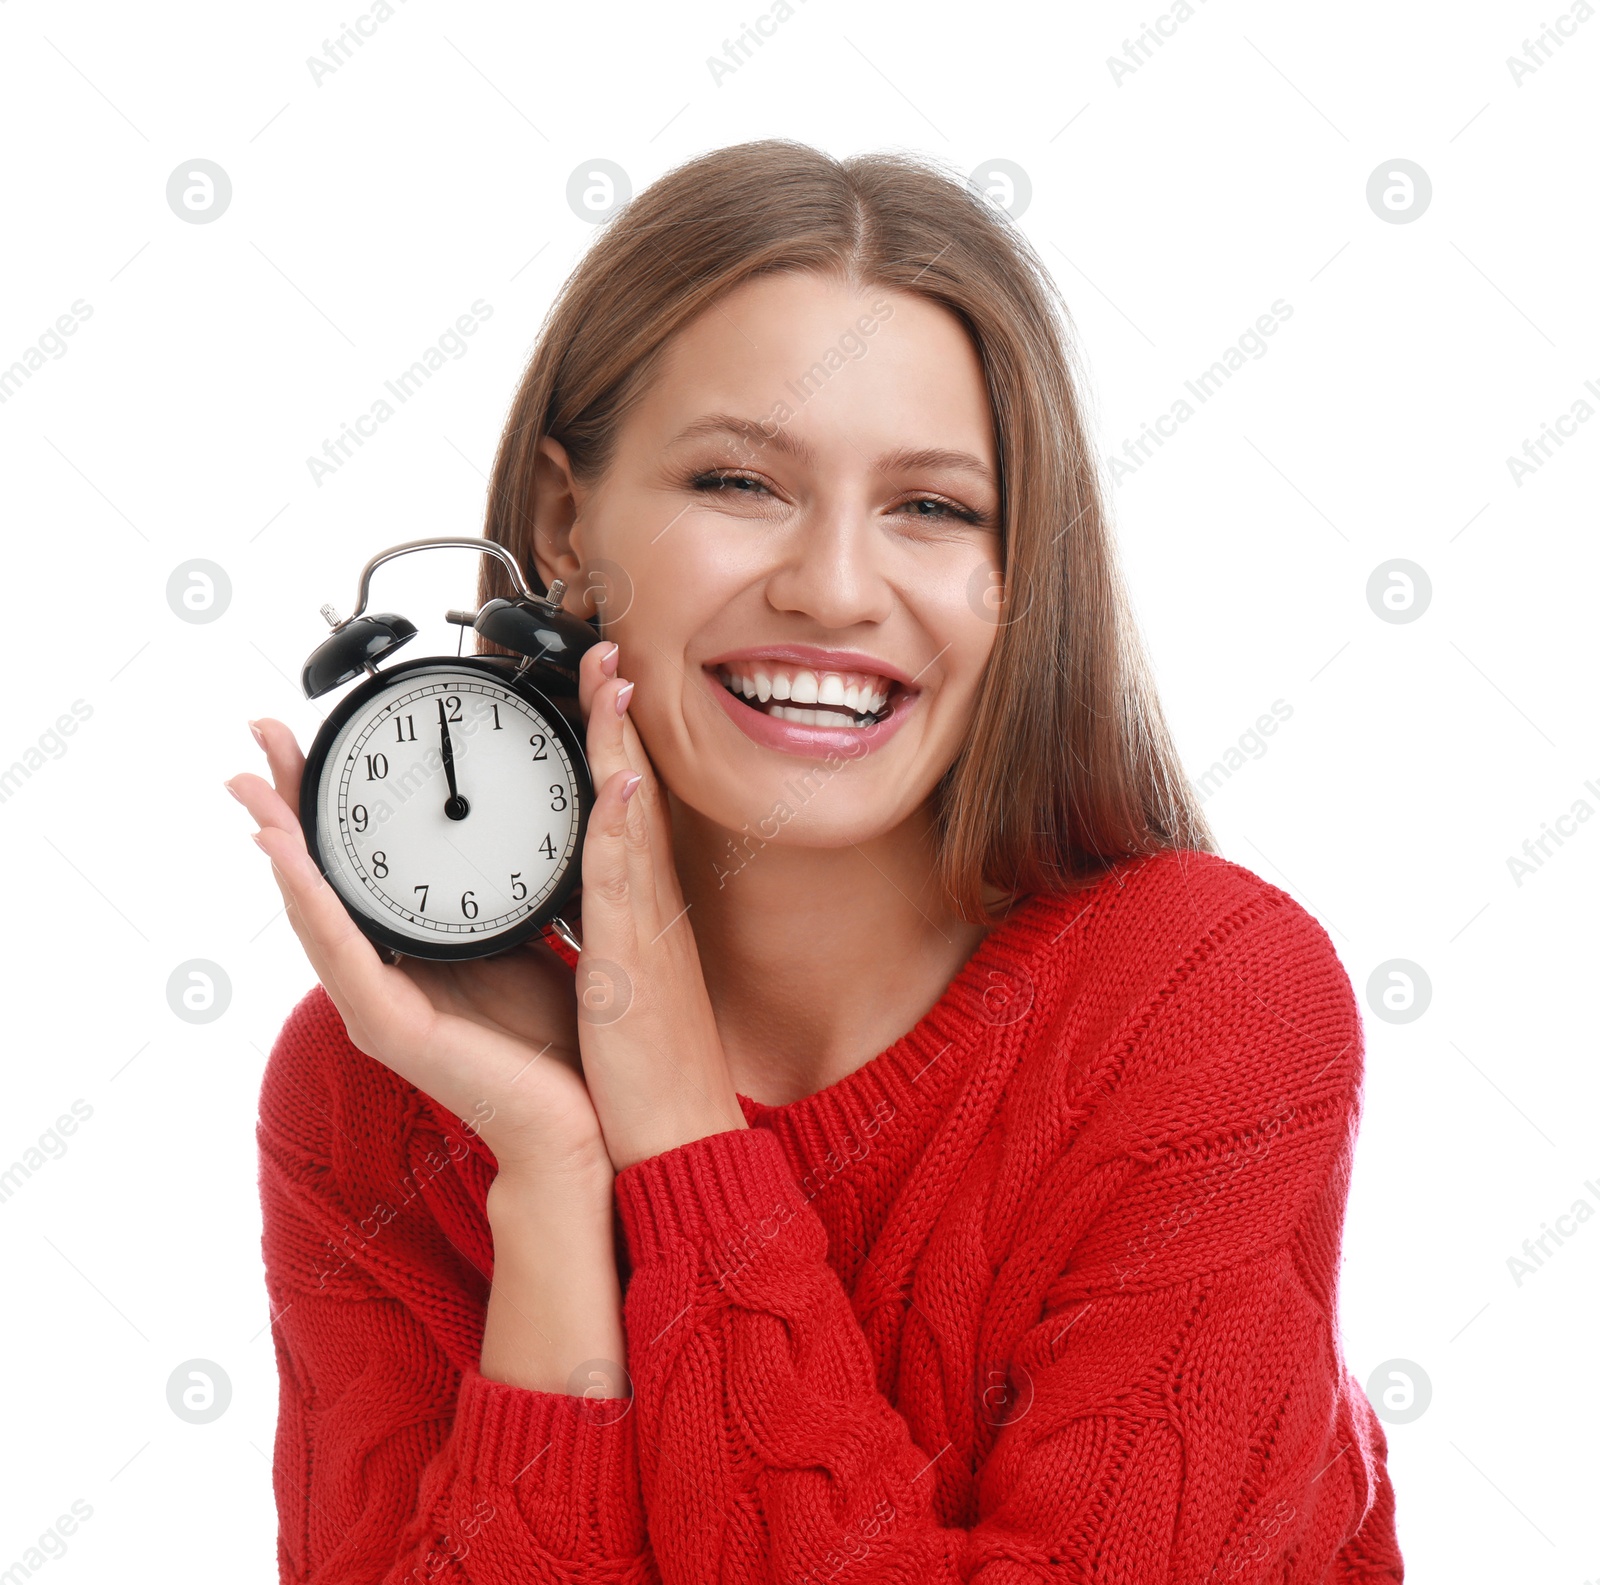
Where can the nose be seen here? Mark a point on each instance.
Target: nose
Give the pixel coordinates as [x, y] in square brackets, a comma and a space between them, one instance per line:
[831, 568]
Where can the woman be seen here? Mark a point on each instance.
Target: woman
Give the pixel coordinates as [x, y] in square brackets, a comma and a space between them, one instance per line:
[937, 1167]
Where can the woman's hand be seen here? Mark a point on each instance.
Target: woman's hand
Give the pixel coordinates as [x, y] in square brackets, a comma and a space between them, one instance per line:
[652, 1057]
[495, 1040]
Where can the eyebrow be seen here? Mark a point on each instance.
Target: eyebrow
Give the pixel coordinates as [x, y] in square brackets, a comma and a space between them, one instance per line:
[902, 459]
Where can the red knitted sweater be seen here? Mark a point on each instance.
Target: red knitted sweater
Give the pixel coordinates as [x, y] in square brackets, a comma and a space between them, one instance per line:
[1045, 1291]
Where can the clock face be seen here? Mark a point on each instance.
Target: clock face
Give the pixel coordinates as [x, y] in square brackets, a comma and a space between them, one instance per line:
[447, 868]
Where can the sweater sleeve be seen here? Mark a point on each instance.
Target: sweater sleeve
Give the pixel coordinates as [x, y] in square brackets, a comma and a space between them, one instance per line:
[395, 1459]
[518, 1486]
[1178, 1412]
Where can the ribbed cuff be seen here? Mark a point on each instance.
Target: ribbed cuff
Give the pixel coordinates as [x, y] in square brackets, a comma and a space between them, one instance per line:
[728, 1189]
[571, 1462]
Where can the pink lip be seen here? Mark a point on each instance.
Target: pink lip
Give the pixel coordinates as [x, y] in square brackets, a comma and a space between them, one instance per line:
[816, 659]
[812, 742]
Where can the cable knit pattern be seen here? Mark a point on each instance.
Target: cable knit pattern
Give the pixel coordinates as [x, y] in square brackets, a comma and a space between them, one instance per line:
[1047, 1291]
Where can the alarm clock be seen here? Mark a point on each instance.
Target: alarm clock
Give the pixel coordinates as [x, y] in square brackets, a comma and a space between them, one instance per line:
[445, 799]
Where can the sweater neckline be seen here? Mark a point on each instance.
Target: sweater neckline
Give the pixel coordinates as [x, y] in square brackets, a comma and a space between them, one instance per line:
[993, 987]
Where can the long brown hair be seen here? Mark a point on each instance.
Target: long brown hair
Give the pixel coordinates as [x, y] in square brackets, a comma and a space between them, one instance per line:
[1068, 765]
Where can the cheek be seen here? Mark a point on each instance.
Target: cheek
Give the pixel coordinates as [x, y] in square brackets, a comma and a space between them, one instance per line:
[671, 706]
[676, 571]
[962, 617]
[662, 690]
[963, 663]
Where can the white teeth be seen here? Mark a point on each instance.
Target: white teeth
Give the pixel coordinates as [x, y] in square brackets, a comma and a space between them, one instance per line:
[812, 717]
[810, 688]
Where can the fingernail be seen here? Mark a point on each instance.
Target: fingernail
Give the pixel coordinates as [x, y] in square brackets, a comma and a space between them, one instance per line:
[629, 785]
[623, 698]
[608, 662]
[261, 742]
[255, 836]
[231, 792]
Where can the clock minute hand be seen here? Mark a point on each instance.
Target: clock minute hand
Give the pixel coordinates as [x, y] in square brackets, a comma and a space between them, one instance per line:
[455, 806]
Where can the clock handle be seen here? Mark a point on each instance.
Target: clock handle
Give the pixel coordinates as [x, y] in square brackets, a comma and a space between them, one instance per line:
[485, 547]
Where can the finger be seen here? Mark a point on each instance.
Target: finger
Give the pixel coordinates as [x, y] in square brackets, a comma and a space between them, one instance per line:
[266, 807]
[653, 811]
[611, 882]
[271, 813]
[284, 758]
[604, 741]
[278, 807]
[595, 666]
[292, 871]
[648, 840]
[287, 849]
[360, 983]
[614, 742]
[378, 1002]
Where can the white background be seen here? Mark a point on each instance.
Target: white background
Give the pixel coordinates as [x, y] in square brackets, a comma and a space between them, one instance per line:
[371, 209]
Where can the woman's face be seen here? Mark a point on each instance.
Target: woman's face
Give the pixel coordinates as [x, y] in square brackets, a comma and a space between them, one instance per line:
[805, 506]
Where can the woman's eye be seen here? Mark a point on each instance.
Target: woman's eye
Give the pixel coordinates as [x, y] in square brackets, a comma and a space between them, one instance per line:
[935, 510]
[740, 482]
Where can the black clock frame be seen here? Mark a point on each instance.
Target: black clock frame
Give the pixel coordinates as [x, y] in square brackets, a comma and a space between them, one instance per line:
[565, 720]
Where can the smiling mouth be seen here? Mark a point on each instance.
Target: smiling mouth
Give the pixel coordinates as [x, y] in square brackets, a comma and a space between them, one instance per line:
[811, 698]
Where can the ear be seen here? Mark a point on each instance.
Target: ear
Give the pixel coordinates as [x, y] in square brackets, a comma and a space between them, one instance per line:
[557, 502]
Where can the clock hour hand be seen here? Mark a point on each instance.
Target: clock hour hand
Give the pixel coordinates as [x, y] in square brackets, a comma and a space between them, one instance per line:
[455, 806]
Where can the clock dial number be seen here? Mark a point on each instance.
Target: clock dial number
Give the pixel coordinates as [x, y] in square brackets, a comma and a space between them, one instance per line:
[558, 798]
[422, 907]
[405, 730]
[380, 864]
[469, 907]
[377, 767]
[518, 890]
[548, 848]
[358, 817]
[538, 741]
